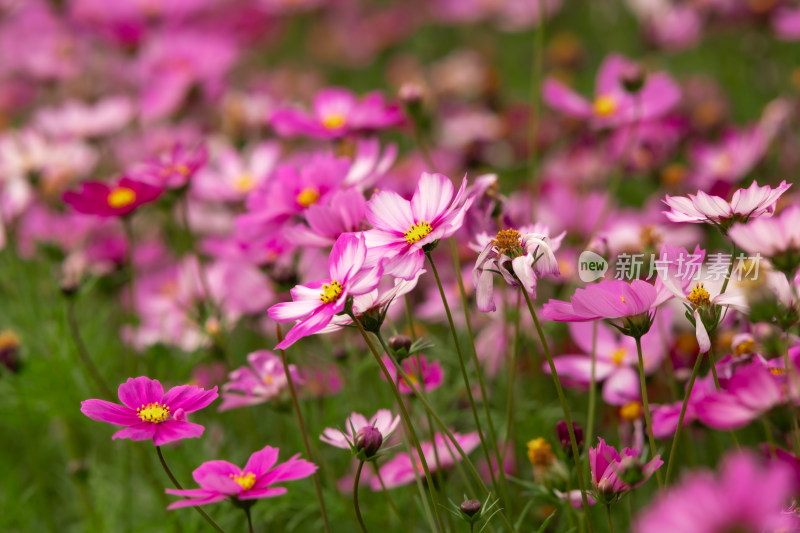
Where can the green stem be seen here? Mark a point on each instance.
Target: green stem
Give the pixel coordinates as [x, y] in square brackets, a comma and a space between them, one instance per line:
[479, 371]
[676, 437]
[404, 415]
[512, 368]
[303, 432]
[592, 391]
[564, 407]
[647, 416]
[83, 353]
[463, 366]
[418, 393]
[249, 519]
[355, 497]
[608, 519]
[172, 478]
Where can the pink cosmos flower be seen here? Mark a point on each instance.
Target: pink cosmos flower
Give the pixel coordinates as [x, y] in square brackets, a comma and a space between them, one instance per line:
[745, 495]
[771, 237]
[337, 112]
[730, 159]
[117, 200]
[79, 119]
[665, 417]
[616, 359]
[403, 228]
[416, 367]
[382, 421]
[399, 471]
[220, 480]
[746, 204]
[524, 254]
[786, 23]
[608, 469]
[344, 213]
[314, 305]
[262, 381]
[172, 169]
[613, 104]
[609, 299]
[231, 175]
[149, 413]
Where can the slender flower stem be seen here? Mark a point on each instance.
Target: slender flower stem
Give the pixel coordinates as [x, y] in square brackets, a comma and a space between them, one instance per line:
[479, 372]
[647, 416]
[355, 497]
[83, 353]
[303, 432]
[386, 493]
[404, 415]
[592, 391]
[249, 520]
[512, 370]
[564, 407]
[178, 486]
[608, 519]
[713, 363]
[419, 394]
[688, 394]
[463, 366]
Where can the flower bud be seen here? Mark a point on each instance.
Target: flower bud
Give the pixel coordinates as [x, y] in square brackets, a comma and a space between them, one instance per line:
[400, 344]
[633, 79]
[563, 436]
[470, 507]
[368, 441]
[9, 350]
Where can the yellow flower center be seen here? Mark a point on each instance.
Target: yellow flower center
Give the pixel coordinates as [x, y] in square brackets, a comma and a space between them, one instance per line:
[631, 411]
[121, 197]
[745, 347]
[179, 168]
[268, 379]
[605, 105]
[244, 183]
[411, 381]
[540, 452]
[334, 121]
[508, 242]
[418, 231]
[153, 412]
[330, 292]
[8, 340]
[622, 299]
[246, 481]
[617, 356]
[308, 196]
[699, 295]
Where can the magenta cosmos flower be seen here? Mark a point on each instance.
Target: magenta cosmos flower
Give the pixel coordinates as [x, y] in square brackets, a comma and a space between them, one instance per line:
[613, 105]
[337, 112]
[612, 299]
[316, 304]
[777, 238]
[382, 421]
[610, 470]
[745, 204]
[117, 200]
[746, 495]
[173, 169]
[149, 413]
[220, 480]
[403, 228]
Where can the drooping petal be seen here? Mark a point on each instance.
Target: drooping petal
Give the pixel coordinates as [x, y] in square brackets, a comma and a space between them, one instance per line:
[172, 430]
[140, 431]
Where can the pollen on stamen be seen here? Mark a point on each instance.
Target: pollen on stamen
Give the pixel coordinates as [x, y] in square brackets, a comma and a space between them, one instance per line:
[330, 292]
[334, 121]
[246, 481]
[699, 295]
[153, 412]
[508, 242]
[418, 231]
[307, 196]
[605, 105]
[121, 197]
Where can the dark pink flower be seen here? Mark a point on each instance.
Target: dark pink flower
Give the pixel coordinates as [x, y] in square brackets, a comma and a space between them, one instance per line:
[150, 413]
[117, 200]
[610, 470]
[417, 368]
[220, 480]
[605, 300]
